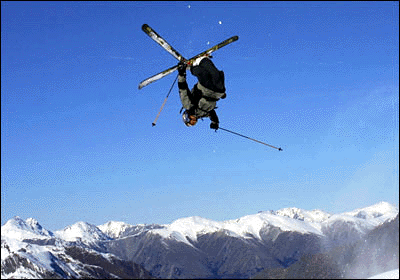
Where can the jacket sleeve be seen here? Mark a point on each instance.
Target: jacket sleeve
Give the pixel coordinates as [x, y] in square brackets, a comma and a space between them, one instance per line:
[213, 117]
[184, 92]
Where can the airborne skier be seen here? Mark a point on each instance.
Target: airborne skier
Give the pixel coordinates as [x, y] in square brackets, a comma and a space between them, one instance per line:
[201, 101]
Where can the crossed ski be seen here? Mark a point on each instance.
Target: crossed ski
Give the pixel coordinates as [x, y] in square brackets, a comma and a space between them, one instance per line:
[159, 40]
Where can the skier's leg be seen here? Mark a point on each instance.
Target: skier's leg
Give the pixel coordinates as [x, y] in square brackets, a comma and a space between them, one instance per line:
[217, 77]
[209, 76]
[201, 73]
[209, 66]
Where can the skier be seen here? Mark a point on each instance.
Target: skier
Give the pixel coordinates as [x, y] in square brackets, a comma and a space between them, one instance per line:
[201, 101]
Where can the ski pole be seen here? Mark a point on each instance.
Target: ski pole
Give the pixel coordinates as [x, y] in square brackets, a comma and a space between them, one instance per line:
[280, 149]
[165, 101]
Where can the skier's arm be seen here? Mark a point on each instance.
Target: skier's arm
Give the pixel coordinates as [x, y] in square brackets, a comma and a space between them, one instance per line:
[214, 120]
[184, 92]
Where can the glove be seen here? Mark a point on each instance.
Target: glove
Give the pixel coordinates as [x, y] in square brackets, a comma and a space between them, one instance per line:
[182, 69]
[214, 125]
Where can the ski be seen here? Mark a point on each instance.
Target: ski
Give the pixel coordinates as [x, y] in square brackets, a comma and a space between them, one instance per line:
[179, 57]
[210, 50]
[157, 76]
[159, 40]
[166, 72]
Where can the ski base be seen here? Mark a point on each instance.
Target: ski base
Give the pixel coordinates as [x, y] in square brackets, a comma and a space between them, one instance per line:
[158, 39]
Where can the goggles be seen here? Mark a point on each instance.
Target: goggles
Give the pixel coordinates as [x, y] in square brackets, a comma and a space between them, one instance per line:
[189, 120]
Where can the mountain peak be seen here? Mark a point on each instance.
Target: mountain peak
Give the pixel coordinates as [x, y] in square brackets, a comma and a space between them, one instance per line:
[383, 206]
[114, 229]
[19, 229]
[32, 221]
[304, 215]
[374, 211]
[82, 231]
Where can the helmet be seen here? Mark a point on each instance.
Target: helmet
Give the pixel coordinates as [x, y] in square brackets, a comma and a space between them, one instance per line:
[188, 119]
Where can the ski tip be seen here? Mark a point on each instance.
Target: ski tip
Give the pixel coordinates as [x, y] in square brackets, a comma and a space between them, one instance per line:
[280, 149]
[153, 124]
[146, 28]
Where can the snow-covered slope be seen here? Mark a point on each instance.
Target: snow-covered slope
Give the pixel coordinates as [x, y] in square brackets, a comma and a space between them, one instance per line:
[26, 260]
[288, 219]
[302, 221]
[393, 274]
[117, 230]
[82, 231]
[12, 235]
[378, 212]
[19, 229]
[114, 229]
[314, 216]
[349, 226]
[246, 227]
[30, 251]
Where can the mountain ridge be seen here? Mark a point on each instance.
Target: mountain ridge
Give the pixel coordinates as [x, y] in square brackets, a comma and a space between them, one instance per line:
[189, 227]
[187, 247]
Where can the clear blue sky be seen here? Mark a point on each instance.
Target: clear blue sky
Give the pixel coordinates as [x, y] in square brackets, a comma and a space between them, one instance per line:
[319, 79]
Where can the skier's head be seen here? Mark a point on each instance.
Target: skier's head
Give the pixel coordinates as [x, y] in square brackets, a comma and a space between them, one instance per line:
[189, 120]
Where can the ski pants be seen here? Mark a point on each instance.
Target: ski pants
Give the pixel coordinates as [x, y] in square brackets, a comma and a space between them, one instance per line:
[209, 76]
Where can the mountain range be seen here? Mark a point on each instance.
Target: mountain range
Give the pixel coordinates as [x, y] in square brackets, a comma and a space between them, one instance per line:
[268, 243]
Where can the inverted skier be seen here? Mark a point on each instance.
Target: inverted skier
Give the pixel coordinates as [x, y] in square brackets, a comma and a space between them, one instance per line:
[201, 101]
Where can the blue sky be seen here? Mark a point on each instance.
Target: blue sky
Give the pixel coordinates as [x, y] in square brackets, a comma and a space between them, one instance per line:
[319, 79]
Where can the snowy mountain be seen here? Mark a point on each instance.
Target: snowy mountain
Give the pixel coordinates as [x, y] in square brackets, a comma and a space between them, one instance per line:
[115, 229]
[187, 229]
[192, 247]
[20, 229]
[118, 230]
[376, 252]
[82, 231]
[30, 251]
[289, 219]
[314, 216]
[379, 212]
[240, 248]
